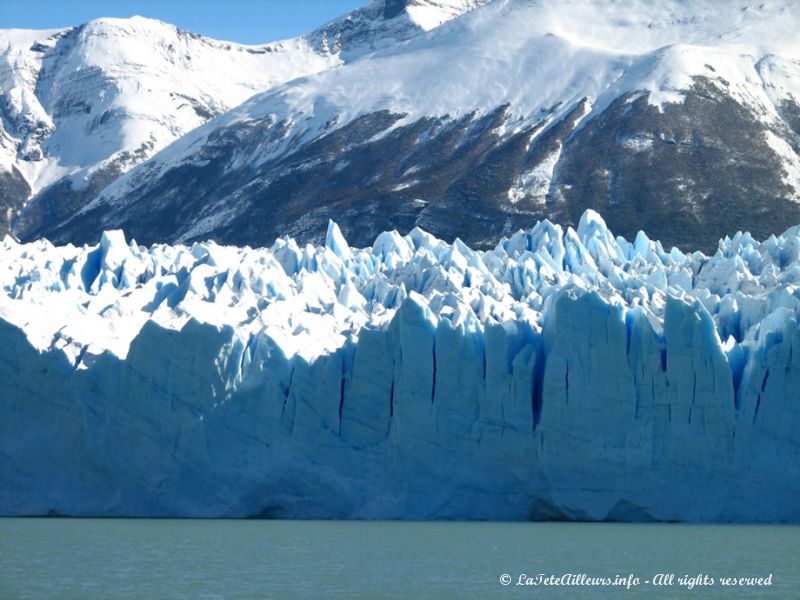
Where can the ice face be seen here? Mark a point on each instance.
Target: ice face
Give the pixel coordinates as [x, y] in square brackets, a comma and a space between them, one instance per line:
[566, 373]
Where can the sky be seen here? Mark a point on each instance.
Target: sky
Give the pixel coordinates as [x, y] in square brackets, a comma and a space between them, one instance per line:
[243, 21]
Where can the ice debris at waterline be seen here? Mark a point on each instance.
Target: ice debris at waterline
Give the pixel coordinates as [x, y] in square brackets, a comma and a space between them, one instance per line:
[564, 374]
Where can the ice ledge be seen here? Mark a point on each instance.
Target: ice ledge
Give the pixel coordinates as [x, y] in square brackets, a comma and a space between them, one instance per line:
[566, 373]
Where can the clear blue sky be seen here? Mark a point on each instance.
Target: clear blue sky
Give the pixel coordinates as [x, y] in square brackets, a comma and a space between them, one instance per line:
[245, 21]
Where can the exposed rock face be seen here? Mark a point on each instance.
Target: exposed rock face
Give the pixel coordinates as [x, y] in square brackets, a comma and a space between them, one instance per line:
[14, 191]
[691, 173]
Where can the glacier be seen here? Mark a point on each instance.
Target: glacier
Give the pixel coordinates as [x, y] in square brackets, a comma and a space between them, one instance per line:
[565, 374]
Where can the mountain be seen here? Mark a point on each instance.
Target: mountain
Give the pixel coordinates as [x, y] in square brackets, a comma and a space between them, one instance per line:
[681, 118]
[385, 23]
[565, 374]
[80, 106]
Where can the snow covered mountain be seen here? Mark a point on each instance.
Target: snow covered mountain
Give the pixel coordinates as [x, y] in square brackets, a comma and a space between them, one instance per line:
[80, 106]
[563, 374]
[681, 118]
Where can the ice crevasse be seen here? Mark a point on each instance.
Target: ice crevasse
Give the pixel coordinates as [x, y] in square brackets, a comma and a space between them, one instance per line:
[565, 374]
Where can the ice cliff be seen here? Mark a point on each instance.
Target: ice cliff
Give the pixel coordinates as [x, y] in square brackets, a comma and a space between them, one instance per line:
[565, 374]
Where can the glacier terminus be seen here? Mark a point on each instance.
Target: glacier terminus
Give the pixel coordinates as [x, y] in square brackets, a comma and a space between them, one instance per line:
[564, 374]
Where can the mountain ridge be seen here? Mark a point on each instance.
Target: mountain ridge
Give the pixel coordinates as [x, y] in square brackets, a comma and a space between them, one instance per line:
[82, 105]
[682, 118]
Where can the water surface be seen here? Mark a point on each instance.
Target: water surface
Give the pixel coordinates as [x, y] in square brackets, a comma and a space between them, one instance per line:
[122, 558]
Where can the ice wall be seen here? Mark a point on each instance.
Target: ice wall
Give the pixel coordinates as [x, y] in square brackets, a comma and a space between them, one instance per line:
[564, 374]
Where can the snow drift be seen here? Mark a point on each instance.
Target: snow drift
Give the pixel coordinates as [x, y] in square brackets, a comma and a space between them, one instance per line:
[563, 374]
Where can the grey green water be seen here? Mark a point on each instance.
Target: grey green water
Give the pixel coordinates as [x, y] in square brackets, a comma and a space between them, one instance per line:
[121, 558]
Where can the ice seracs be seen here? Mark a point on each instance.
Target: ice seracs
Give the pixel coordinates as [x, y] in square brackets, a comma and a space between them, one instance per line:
[565, 373]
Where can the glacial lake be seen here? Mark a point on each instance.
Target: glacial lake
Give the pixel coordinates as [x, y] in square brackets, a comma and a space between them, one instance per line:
[197, 559]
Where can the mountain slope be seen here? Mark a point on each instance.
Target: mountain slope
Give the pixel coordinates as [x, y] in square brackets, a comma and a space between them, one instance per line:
[80, 106]
[683, 118]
